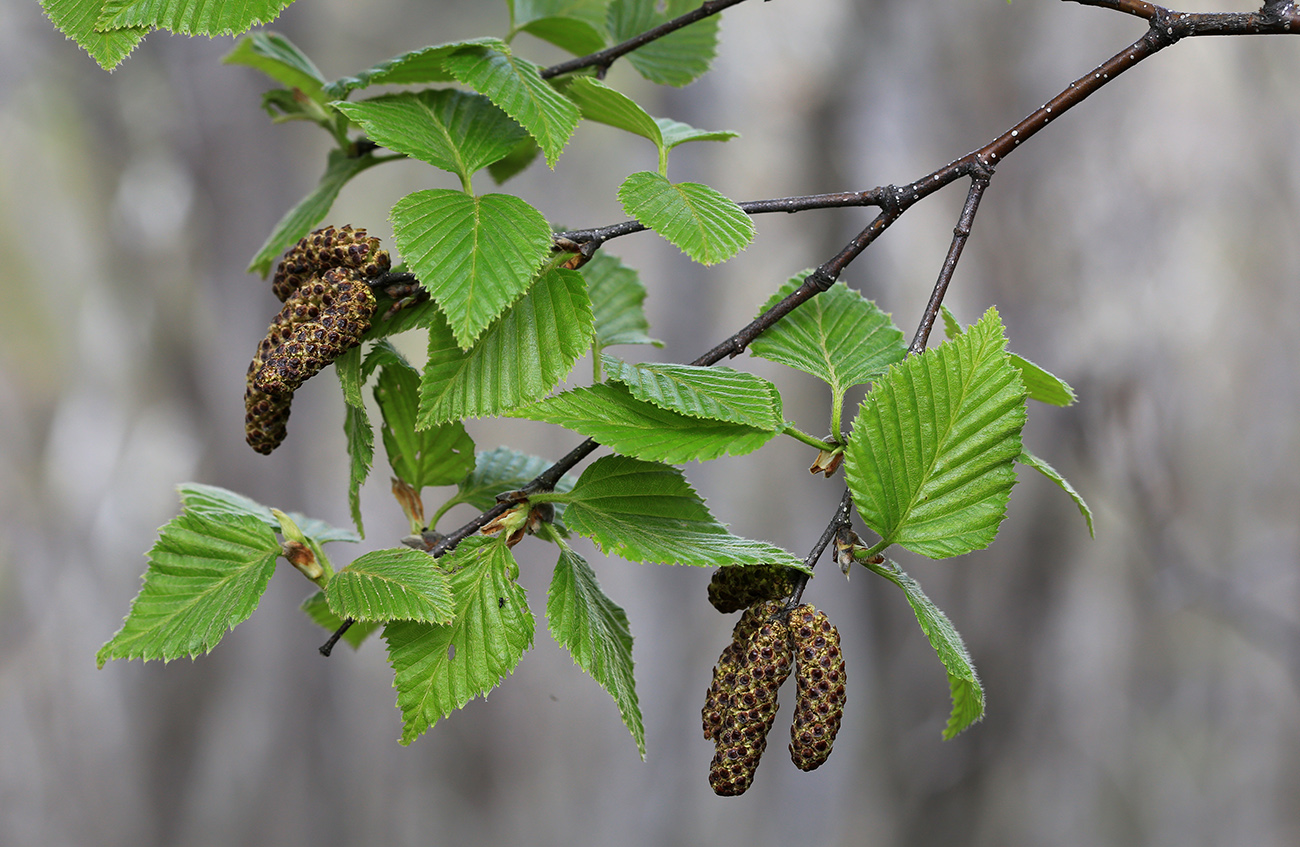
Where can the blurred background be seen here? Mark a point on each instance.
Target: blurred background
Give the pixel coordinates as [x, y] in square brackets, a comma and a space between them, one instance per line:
[1142, 686]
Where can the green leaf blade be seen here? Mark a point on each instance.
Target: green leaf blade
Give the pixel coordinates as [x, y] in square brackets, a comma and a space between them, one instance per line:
[1030, 460]
[281, 60]
[77, 18]
[714, 393]
[930, 461]
[189, 17]
[440, 455]
[617, 301]
[360, 439]
[438, 668]
[594, 629]
[415, 67]
[215, 503]
[317, 608]
[602, 104]
[697, 219]
[676, 59]
[401, 584]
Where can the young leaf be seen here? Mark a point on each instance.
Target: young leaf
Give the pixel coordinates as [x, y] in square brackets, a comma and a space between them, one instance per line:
[214, 503]
[676, 59]
[697, 219]
[675, 133]
[602, 104]
[189, 17]
[574, 25]
[1043, 386]
[963, 683]
[415, 67]
[348, 369]
[454, 130]
[515, 85]
[76, 19]
[611, 415]
[1029, 459]
[717, 393]
[311, 209]
[442, 455]
[593, 628]
[318, 609]
[648, 512]
[475, 255]
[392, 585]
[205, 575]
[440, 667]
[617, 301]
[361, 456]
[838, 336]
[522, 356]
[278, 58]
[931, 458]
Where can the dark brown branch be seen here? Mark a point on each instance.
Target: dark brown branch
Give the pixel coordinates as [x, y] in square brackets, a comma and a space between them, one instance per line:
[841, 520]
[602, 59]
[960, 233]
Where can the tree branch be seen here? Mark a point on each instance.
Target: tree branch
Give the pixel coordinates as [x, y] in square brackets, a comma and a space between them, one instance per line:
[960, 233]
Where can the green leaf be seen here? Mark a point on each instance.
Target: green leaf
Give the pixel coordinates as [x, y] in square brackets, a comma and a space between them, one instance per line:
[1029, 459]
[189, 17]
[1043, 386]
[205, 575]
[213, 503]
[574, 25]
[593, 628]
[312, 209]
[442, 455]
[617, 301]
[317, 608]
[676, 59]
[438, 668]
[348, 369]
[278, 58]
[415, 67]
[361, 456]
[717, 393]
[611, 415]
[702, 223]
[76, 19]
[931, 458]
[392, 585]
[963, 683]
[500, 470]
[675, 133]
[453, 130]
[648, 512]
[515, 162]
[602, 104]
[524, 353]
[515, 85]
[475, 255]
[838, 336]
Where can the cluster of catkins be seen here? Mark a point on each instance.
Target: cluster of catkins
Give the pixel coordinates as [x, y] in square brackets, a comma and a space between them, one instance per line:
[769, 642]
[323, 282]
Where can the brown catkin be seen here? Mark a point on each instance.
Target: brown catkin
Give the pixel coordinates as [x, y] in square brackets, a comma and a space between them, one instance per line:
[740, 705]
[327, 248]
[819, 687]
[739, 587]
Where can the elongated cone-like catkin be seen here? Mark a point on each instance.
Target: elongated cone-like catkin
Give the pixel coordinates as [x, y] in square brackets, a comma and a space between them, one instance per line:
[326, 248]
[740, 705]
[735, 588]
[819, 687]
[320, 321]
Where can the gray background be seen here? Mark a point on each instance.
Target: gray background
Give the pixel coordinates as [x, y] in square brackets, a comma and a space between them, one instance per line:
[1141, 686]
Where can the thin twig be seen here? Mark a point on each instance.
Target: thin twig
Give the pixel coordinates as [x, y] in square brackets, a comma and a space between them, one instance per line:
[960, 233]
[840, 520]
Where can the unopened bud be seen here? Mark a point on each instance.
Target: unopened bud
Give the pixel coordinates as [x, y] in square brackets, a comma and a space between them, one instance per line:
[828, 461]
[409, 499]
[303, 558]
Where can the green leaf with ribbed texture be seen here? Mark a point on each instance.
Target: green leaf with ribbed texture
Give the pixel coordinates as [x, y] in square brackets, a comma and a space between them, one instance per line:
[515, 85]
[454, 130]
[574, 25]
[205, 575]
[440, 455]
[717, 393]
[519, 358]
[76, 19]
[593, 628]
[838, 336]
[611, 415]
[676, 59]
[648, 512]
[500, 470]
[1030, 460]
[311, 209]
[438, 668]
[281, 60]
[361, 456]
[931, 459]
[318, 609]
[401, 584]
[617, 301]
[1042, 385]
[414, 67]
[190, 17]
[697, 219]
[602, 104]
[675, 133]
[212, 502]
[475, 255]
[963, 683]
[348, 369]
